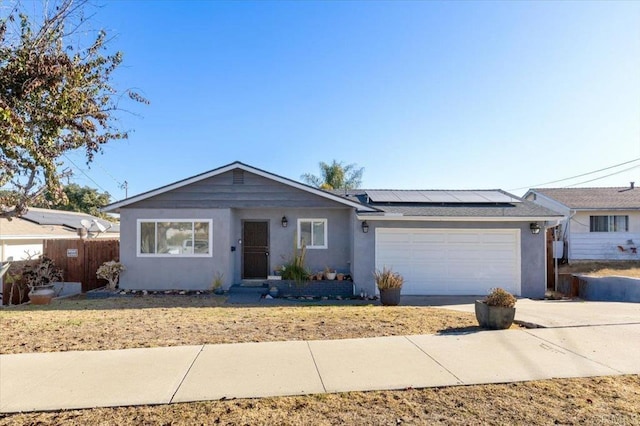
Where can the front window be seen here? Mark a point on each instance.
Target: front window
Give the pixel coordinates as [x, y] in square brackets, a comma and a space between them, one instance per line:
[165, 238]
[609, 224]
[312, 233]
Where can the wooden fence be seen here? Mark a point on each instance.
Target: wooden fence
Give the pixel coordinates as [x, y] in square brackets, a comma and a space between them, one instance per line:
[80, 259]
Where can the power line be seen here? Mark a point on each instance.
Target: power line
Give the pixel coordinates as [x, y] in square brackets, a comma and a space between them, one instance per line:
[602, 177]
[83, 172]
[584, 174]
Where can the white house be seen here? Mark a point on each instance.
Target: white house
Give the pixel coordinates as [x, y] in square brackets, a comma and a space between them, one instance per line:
[23, 237]
[599, 223]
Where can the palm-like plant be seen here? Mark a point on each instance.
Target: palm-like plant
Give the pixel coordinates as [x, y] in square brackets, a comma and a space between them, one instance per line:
[336, 175]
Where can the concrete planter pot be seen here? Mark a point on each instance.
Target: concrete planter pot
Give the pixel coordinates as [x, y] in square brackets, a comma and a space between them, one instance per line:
[390, 297]
[494, 317]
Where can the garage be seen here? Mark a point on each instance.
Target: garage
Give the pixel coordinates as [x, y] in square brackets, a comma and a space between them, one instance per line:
[451, 261]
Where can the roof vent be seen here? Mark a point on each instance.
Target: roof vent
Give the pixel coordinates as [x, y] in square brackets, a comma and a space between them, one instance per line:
[633, 185]
[238, 177]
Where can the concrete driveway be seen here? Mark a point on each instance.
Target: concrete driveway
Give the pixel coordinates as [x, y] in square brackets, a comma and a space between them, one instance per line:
[563, 313]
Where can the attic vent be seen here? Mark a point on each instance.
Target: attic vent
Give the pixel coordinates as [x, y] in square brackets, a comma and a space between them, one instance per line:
[238, 177]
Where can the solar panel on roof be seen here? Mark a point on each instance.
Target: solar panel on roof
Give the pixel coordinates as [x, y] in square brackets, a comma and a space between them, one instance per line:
[443, 196]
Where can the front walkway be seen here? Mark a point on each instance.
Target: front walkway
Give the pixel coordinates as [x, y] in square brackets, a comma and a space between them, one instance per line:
[68, 380]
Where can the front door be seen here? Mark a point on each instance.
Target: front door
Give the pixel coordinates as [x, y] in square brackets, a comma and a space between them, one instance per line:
[255, 249]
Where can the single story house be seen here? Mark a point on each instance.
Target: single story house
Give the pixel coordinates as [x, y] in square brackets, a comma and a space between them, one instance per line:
[242, 222]
[23, 236]
[598, 224]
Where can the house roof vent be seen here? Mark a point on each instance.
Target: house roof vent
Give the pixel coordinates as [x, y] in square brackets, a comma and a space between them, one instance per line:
[238, 177]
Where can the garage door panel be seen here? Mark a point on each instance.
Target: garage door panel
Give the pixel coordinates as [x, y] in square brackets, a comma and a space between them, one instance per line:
[451, 261]
[463, 238]
[418, 238]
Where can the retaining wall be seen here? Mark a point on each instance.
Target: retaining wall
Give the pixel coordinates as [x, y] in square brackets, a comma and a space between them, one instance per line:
[609, 289]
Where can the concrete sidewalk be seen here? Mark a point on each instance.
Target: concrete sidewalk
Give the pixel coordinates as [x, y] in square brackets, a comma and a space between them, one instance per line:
[68, 380]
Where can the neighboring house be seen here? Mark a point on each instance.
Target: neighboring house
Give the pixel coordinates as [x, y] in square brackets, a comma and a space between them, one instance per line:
[23, 236]
[244, 222]
[599, 223]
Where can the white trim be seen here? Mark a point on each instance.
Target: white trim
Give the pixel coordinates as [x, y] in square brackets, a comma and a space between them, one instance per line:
[224, 169]
[460, 218]
[326, 233]
[167, 255]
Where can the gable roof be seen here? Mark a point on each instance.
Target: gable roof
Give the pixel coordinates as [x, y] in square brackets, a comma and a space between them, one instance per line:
[458, 205]
[611, 198]
[113, 207]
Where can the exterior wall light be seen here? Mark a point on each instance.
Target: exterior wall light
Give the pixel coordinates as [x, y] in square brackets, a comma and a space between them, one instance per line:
[284, 222]
[365, 227]
[535, 228]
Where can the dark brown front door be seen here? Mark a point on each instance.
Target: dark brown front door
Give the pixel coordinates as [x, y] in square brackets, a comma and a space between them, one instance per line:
[255, 249]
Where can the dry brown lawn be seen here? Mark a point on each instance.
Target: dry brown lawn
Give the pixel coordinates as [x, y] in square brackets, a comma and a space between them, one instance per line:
[162, 321]
[142, 322]
[625, 268]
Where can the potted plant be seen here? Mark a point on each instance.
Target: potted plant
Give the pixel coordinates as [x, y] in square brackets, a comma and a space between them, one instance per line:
[389, 283]
[340, 276]
[497, 310]
[110, 271]
[329, 274]
[40, 277]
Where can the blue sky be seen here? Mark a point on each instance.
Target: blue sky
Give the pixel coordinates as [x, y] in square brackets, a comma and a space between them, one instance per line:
[421, 94]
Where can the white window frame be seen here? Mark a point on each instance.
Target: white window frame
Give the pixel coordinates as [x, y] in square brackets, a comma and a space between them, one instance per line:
[139, 223]
[312, 220]
[611, 218]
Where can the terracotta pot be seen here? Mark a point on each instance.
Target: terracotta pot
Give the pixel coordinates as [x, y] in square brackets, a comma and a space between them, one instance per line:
[390, 297]
[41, 296]
[494, 317]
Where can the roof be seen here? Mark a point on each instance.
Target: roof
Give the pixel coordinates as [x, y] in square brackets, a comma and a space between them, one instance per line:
[114, 207]
[457, 207]
[69, 219]
[23, 229]
[593, 198]
[40, 223]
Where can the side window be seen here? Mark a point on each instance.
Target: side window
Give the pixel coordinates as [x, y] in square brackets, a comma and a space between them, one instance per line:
[312, 233]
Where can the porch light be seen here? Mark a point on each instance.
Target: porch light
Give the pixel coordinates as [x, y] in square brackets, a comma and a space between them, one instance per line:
[284, 222]
[365, 227]
[535, 228]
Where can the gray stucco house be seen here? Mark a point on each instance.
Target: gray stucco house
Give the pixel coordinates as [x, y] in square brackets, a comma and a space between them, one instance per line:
[243, 222]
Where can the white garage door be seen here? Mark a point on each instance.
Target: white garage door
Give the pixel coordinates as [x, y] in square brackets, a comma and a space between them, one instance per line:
[451, 261]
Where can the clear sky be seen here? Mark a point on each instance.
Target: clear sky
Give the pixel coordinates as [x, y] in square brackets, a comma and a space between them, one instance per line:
[428, 95]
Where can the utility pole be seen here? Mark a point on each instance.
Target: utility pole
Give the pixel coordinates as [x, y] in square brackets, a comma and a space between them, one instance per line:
[125, 186]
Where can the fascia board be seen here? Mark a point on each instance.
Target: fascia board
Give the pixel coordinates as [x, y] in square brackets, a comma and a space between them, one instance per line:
[460, 218]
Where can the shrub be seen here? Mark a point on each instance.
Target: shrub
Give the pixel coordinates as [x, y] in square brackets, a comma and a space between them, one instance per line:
[387, 279]
[294, 269]
[41, 273]
[500, 297]
[110, 271]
